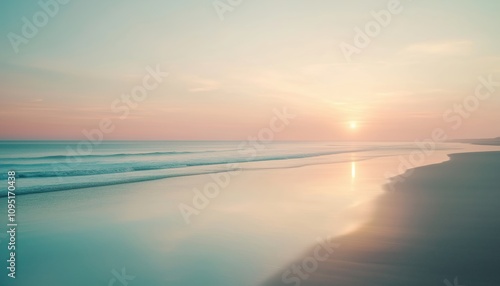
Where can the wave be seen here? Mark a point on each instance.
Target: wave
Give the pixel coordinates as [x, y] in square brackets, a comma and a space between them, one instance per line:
[91, 184]
[75, 169]
[144, 177]
[58, 157]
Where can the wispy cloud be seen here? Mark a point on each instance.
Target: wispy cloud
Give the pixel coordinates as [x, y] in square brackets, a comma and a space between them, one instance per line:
[462, 47]
[201, 84]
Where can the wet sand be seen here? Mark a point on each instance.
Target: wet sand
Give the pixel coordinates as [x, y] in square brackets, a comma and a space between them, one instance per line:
[441, 223]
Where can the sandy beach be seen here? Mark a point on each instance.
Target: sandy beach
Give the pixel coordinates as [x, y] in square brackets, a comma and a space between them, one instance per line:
[439, 225]
[249, 143]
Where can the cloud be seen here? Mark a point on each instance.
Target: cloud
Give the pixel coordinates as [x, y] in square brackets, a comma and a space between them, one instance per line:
[441, 48]
[201, 85]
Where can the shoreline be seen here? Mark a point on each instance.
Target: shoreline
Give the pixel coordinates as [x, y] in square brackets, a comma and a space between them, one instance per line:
[261, 221]
[434, 227]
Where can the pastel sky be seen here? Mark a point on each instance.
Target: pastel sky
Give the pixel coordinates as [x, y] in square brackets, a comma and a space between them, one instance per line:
[227, 76]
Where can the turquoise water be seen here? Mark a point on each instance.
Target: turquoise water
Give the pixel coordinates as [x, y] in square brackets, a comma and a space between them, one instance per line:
[56, 166]
[84, 217]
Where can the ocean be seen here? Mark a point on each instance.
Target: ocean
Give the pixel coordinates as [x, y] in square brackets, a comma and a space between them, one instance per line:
[189, 213]
[63, 165]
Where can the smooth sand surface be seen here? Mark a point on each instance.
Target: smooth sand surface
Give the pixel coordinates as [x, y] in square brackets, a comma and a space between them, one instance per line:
[442, 222]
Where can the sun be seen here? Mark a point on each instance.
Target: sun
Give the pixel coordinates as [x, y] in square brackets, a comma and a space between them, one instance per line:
[353, 125]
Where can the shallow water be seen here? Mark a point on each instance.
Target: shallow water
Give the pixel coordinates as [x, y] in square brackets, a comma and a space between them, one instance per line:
[256, 220]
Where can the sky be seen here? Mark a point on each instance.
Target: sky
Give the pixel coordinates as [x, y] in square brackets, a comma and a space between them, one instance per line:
[230, 67]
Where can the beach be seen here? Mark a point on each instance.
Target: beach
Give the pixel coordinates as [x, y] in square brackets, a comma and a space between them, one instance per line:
[438, 227]
[258, 221]
[249, 143]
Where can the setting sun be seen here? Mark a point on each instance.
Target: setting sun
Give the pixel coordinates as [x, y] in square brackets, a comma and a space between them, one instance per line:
[260, 143]
[353, 125]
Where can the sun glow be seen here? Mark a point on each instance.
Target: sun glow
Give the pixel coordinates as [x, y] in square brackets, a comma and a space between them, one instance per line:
[353, 125]
[353, 170]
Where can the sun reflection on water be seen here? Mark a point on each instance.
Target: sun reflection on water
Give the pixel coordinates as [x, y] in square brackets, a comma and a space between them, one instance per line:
[353, 170]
